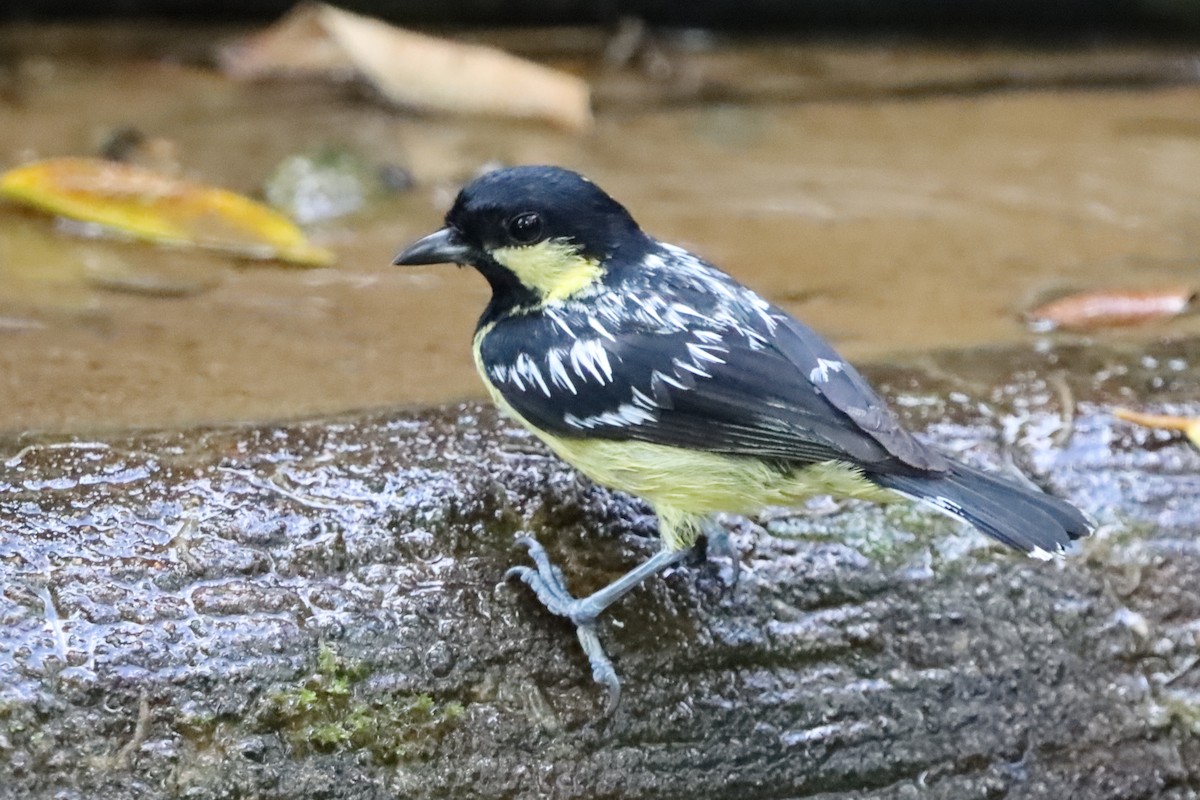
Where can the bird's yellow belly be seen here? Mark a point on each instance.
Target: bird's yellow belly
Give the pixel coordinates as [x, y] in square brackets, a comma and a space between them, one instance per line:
[704, 483]
[686, 486]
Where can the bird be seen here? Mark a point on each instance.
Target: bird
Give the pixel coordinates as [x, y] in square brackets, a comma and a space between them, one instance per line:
[653, 372]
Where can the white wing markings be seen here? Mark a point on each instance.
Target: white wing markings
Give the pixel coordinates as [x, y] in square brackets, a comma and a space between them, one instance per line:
[558, 372]
[589, 355]
[820, 373]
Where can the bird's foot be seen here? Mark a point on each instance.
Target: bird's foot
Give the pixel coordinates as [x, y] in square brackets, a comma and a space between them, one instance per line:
[719, 549]
[547, 582]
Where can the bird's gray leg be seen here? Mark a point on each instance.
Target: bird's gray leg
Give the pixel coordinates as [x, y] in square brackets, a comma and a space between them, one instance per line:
[547, 583]
[718, 545]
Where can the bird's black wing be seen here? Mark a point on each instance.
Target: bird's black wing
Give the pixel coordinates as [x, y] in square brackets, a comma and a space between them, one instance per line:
[848, 391]
[772, 389]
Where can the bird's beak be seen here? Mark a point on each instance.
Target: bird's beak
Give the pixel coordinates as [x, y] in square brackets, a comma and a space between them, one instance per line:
[440, 247]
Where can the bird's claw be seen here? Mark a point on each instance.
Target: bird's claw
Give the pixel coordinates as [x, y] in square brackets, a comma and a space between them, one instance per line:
[548, 584]
[602, 668]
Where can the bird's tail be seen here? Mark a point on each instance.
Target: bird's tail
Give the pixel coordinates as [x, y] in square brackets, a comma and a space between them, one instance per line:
[1021, 517]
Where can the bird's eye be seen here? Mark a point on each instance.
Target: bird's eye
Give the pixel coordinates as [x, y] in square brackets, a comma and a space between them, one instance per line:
[525, 228]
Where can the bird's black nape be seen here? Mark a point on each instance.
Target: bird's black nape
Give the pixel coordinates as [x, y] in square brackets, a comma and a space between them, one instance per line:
[523, 205]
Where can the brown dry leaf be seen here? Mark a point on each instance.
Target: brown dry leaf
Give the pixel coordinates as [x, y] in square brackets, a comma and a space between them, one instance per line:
[154, 207]
[1189, 425]
[1109, 308]
[411, 69]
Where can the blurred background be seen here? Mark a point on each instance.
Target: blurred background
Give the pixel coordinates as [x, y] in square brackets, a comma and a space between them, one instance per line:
[901, 176]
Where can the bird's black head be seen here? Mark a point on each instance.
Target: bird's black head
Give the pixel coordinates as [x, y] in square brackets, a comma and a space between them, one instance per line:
[536, 233]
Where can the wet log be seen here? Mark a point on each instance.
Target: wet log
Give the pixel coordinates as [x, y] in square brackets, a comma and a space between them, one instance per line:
[314, 610]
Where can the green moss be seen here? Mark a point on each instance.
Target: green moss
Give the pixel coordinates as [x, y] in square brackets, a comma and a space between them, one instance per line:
[1178, 707]
[328, 713]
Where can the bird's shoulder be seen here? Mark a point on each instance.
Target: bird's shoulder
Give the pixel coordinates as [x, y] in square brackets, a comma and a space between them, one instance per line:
[645, 318]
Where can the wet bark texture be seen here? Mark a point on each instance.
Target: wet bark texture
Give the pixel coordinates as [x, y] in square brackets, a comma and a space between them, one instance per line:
[313, 610]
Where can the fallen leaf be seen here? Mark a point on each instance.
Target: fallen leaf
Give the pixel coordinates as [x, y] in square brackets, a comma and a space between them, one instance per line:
[1109, 308]
[1190, 426]
[153, 207]
[410, 69]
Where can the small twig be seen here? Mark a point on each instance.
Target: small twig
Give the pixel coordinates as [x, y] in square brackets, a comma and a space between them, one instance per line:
[1066, 409]
[14, 460]
[274, 484]
[140, 731]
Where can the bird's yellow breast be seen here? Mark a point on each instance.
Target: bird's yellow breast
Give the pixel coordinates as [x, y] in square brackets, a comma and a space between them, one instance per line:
[685, 486]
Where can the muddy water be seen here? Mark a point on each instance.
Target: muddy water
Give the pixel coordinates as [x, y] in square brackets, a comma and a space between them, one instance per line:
[891, 196]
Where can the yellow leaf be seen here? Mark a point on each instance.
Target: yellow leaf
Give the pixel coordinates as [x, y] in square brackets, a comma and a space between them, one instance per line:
[159, 208]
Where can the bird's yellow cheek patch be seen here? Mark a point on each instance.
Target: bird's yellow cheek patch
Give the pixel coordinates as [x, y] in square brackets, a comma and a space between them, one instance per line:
[553, 268]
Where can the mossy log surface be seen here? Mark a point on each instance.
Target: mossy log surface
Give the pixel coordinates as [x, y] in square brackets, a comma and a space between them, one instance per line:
[315, 610]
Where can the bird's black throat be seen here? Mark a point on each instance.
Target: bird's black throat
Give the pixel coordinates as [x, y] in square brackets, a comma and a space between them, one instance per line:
[508, 293]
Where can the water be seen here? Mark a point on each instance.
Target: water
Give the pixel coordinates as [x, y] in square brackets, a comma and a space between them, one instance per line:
[896, 197]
